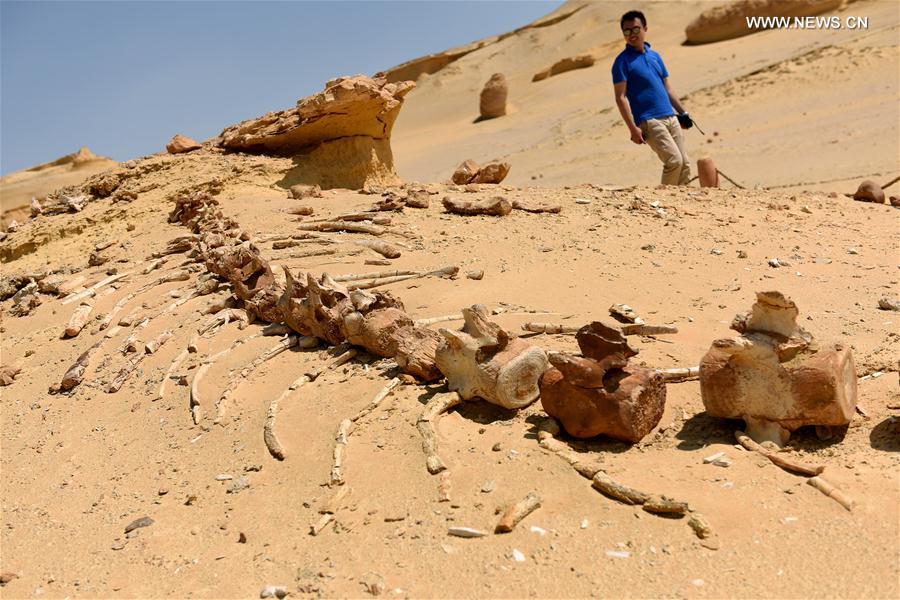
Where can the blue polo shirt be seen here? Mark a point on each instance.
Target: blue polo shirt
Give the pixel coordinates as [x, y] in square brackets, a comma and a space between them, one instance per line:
[644, 72]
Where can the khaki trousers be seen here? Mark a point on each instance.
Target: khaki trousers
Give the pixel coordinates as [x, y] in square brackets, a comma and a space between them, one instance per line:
[664, 136]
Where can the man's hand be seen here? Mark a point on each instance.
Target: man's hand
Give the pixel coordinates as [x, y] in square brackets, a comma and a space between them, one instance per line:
[637, 136]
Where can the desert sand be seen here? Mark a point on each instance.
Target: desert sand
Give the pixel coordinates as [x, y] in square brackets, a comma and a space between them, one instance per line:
[801, 117]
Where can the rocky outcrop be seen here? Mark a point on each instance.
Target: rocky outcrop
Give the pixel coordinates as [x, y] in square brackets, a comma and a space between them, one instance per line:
[469, 171]
[729, 20]
[774, 377]
[180, 144]
[600, 393]
[582, 61]
[339, 137]
[492, 102]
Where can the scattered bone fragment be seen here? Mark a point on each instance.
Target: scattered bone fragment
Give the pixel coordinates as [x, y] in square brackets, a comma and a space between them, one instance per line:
[612, 488]
[663, 505]
[776, 457]
[549, 328]
[336, 501]
[625, 313]
[536, 208]
[125, 373]
[518, 511]
[79, 319]
[25, 300]
[679, 374]
[417, 199]
[445, 486]
[343, 226]
[383, 248]
[477, 274]
[441, 319]
[8, 374]
[889, 303]
[498, 206]
[831, 491]
[323, 521]
[465, 532]
[301, 191]
[75, 374]
[91, 291]
[154, 344]
[446, 272]
[182, 356]
[774, 377]
[436, 407]
[482, 360]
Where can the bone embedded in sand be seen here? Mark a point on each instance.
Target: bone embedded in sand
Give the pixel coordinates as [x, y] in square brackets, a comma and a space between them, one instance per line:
[91, 291]
[618, 491]
[436, 407]
[383, 248]
[679, 374]
[125, 373]
[169, 372]
[518, 511]
[154, 344]
[549, 328]
[343, 226]
[536, 208]
[75, 374]
[497, 206]
[782, 461]
[79, 319]
[831, 491]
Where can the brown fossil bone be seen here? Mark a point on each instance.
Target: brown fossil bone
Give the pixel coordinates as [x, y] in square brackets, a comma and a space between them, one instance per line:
[498, 206]
[601, 393]
[482, 360]
[314, 307]
[78, 320]
[773, 377]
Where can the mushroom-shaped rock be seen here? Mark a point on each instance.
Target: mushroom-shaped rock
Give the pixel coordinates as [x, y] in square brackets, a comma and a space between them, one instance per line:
[481, 360]
[339, 137]
[181, 143]
[774, 377]
[582, 61]
[869, 191]
[493, 97]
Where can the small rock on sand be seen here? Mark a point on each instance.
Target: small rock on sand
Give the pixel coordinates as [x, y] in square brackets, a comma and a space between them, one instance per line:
[138, 523]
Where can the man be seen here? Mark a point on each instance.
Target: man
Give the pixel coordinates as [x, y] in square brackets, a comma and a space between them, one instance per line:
[646, 100]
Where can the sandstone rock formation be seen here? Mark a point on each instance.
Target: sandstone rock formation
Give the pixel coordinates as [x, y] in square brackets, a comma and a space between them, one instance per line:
[339, 137]
[774, 377]
[869, 191]
[493, 97]
[601, 393]
[482, 360]
[181, 143]
[728, 21]
[582, 61]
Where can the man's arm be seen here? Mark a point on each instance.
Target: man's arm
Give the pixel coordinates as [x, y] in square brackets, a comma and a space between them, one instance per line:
[673, 97]
[625, 110]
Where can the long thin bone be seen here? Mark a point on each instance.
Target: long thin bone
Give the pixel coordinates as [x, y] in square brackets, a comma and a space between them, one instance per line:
[680, 374]
[195, 402]
[276, 449]
[436, 407]
[342, 226]
[627, 329]
[91, 291]
[285, 344]
[348, 426]
[75, 374]
[518, 511]
[443, 272]
[785, 463]
[831, 491]
[374, 275]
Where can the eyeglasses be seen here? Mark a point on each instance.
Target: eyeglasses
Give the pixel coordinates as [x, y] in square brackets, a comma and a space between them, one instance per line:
[632, 30]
